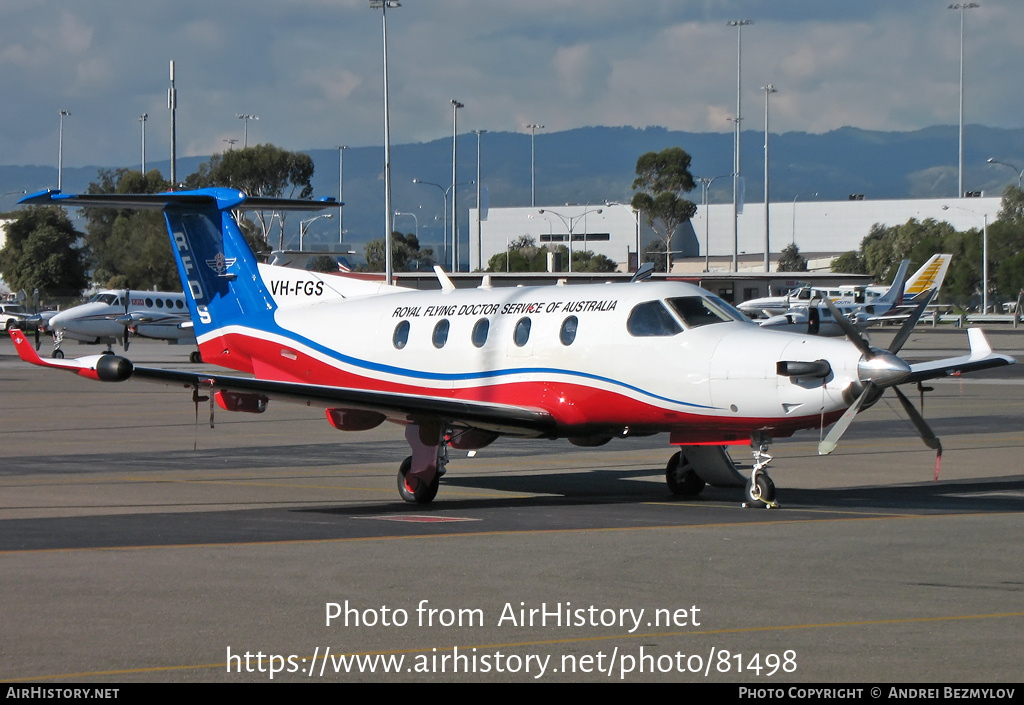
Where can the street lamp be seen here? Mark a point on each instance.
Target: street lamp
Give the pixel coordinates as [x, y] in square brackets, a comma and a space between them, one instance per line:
[415, 220]
[984, 254]
[570, 222]
[533, 164]
[455, 214]
[60, 149]
[1020, 172]
[739, 25]
[705, 186]
[383, 6]
[961, 6]
[341, 192]
[305, 223]
[142, 119]
[813, 195]
[245, 134]
[479, 210]
[768, 90]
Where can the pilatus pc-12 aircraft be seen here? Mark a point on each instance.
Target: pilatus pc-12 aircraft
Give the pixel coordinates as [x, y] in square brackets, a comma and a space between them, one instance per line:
[460, 367]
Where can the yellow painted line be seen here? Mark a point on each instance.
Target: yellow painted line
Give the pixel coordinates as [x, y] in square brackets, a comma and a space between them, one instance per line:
[544, 642]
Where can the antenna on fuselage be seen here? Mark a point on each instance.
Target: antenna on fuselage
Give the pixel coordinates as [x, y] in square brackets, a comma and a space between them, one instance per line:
[643, 273]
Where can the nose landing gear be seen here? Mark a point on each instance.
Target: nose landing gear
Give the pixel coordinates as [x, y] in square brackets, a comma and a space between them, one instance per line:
[760, 490]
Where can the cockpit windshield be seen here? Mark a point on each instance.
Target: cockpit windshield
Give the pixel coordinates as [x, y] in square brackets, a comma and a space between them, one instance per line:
[109, 299]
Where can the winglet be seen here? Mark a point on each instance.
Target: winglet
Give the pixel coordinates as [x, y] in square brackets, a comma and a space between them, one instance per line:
[980, 346]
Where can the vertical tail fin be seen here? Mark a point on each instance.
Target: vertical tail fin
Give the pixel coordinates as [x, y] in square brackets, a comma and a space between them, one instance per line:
[894, 295]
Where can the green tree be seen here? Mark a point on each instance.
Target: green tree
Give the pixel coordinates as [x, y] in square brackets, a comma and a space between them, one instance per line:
[323, 263]
[42, 252]
[130, 248]
[849, 263]
[790, 260]
[263, 170]
[406, 254]
[661, 180]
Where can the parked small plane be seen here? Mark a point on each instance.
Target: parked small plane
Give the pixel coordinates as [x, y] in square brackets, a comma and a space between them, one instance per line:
[460, 367]
[929, 276]
[815, 317]
[119, 314]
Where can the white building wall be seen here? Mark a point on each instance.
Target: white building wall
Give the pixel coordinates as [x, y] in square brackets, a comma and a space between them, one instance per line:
[830, 227]
[503, 225]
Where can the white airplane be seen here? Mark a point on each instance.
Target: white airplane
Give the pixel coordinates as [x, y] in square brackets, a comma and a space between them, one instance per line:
[815, 317]
[929, 276]
[460, 367]
[118, 314]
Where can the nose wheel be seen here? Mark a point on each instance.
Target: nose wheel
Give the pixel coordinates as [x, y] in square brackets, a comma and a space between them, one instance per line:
[760, 490]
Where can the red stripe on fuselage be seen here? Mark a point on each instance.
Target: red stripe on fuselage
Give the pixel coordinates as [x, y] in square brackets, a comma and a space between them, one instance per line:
[578, 409]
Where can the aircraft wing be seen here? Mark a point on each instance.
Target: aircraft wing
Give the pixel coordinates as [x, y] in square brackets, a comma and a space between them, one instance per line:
[489, 416]
[981, 357]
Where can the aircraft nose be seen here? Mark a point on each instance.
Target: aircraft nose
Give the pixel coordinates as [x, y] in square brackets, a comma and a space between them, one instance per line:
[882, 368]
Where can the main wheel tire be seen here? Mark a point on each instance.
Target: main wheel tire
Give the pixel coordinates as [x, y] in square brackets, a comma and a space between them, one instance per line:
[763, 491]
[681, 478]
[58, 354]
[414, 490]
[195, 357]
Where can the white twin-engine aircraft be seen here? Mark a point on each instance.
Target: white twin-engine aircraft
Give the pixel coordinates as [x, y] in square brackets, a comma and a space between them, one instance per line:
[118, 314]
[459, 368]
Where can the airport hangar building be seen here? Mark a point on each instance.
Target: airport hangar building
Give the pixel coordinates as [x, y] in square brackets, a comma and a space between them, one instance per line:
[822, 230]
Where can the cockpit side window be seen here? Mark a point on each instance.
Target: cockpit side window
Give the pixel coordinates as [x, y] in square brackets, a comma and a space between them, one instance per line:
[699, 311]
[651, 319]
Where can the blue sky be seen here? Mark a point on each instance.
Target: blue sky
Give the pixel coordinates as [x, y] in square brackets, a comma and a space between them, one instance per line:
[311, 69]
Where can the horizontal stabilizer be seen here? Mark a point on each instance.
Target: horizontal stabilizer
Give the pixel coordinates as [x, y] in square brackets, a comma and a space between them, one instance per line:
[222, 198]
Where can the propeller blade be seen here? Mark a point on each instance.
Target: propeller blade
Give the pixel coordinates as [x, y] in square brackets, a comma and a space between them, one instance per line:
[849, 329]
[908, 325]
[832, 439]
[927, 435]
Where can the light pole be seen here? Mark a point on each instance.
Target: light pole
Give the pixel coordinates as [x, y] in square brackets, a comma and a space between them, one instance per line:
[570, 222]
[813, 195]
[455, 214]
[533, 163]
[416, 221]
[961, 6]
[479, 216]
[768, 90]
[142, 119]
[305, 224]
[172, 107]
[739, 25]
[60, 149]
[383, 6]
[245, 134]
[705, 186]
[984, 254]
[1020, 172]
[341, 193]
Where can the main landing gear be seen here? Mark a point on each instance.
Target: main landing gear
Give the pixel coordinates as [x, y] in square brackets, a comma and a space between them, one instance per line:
[694, 467]
[420, 473]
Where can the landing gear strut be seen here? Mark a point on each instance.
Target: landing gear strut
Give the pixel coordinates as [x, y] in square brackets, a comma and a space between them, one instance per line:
[419, 474]
[760, 490]
[681, 478]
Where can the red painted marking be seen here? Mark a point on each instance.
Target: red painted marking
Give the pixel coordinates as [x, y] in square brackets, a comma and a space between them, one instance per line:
[418, 518]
